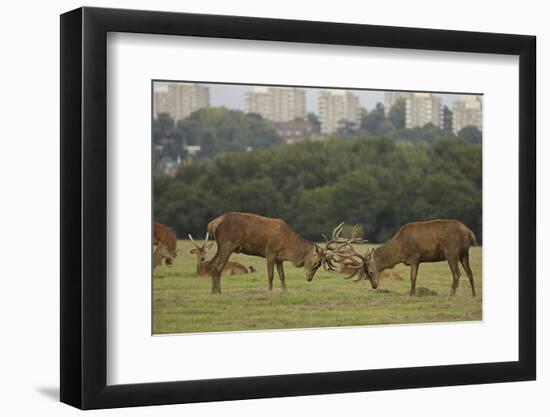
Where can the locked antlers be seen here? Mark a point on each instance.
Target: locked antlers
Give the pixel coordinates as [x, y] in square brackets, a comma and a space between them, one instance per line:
[337, 249]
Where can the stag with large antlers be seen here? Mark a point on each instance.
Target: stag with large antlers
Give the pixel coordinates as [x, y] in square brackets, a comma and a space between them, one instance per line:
[269, 238]
[204, 267]
[413, 244]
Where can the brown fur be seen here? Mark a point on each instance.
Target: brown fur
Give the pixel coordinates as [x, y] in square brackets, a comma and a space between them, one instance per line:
[347, 269]
[165, 235]
[256, 235]
[230, 268]
[429, 241]
[159, 254]
[204, 267]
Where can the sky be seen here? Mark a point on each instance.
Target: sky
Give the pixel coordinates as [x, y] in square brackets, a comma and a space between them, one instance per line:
[233, 96]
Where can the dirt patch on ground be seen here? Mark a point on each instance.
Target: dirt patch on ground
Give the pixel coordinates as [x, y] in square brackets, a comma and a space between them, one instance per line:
[424, 292]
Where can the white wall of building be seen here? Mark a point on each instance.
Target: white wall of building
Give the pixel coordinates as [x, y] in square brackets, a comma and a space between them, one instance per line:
[467, 111]
[336, 107]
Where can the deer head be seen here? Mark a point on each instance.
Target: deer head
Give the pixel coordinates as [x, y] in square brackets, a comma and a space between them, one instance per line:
[201, 250]
[325, 256]
[363, 266]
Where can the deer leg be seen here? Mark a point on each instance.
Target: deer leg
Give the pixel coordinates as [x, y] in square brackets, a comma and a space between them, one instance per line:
[218, 262]
[453, 264]
[465, 261]
[281, 272]
[157, 257]
[414, 272]
[270, 272]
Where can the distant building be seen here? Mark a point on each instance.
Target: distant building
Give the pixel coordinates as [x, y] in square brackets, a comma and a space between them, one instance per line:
[192, 149]
[423, 108]
[278, 104]
[337, 107]
[179, 100]
[293, 131]
[420, 108]
[467, 111]
[392, 97]
[169, 166]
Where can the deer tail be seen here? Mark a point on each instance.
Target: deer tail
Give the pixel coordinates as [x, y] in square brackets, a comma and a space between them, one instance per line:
[213, 225]
[472, 237]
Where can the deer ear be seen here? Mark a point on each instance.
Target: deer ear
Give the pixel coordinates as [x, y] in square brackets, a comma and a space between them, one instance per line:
[209, 245]
[318, 249]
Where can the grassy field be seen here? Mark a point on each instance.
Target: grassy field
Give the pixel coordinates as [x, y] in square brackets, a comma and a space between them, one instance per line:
[183, 303]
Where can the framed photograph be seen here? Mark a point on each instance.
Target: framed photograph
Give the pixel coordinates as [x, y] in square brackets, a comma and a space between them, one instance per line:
[257, 208]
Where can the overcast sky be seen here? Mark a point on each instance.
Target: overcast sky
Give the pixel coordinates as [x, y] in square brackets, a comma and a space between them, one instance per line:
[232, 96]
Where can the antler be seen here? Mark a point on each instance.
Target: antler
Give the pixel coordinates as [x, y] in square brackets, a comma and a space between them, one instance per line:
[345, 252]
[331, 251]
[193, 240]
[196, 244]
[327, 250]
[354, 260]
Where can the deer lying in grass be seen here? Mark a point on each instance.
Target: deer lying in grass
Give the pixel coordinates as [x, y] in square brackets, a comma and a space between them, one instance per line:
[269, 238]
[164, 238]
[204, 267]
[413, 244]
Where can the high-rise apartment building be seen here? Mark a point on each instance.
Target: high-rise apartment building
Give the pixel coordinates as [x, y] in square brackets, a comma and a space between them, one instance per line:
[423, 108]
[278, 104]
[420, 108]
[467, 111]
[179, 100]
[337, 107]
[392, 97]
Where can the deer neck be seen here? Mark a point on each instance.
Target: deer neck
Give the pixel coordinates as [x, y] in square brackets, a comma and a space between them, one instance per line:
[203, 268]
[386, 256]
[300, 249]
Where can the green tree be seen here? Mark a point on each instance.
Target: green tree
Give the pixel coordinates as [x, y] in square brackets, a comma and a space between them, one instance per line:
[346, 128]
[470, 134]
[379, 183]
[314, 122]
[163, 126]
[371, 121]
[397, 114]
[310, 212]
[447, 120]
[217, 130]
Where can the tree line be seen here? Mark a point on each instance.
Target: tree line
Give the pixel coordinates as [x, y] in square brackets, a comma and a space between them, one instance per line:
[219, 130]
[374, 180]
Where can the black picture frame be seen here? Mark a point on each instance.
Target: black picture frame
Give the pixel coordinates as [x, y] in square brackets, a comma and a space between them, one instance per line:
[84, 207]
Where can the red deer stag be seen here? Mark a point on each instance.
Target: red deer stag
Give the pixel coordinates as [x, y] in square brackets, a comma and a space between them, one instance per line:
[204, 267]
[413, 244]
[165, 239]
[269, 238]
